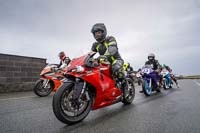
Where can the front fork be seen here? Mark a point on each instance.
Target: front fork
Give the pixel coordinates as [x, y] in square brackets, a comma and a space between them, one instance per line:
[80, 89]
[150, 83]
[45, 83]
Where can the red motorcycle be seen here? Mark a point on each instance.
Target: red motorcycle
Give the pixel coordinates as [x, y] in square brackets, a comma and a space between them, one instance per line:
[89, 86]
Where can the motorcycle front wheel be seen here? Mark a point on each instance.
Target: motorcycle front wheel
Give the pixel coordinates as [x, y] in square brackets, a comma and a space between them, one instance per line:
[42, 91]
[146, 88]
[65, 109]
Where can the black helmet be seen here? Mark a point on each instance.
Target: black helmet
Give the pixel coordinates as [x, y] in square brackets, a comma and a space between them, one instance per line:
[151, 56]
[99, 27]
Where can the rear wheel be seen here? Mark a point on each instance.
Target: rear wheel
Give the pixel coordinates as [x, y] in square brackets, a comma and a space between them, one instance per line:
[42, 89]
[64, 107]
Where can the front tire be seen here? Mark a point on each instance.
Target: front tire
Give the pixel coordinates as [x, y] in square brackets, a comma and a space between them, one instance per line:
[62, 105]
[166, 84]
[146, 88]
[39, 89]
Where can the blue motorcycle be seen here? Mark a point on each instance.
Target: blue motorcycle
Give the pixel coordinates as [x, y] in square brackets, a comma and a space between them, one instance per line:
[166, 79]
[150, 79]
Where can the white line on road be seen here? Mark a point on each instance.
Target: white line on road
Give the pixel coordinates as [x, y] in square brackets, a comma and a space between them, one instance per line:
[15, 98]
[197, 82]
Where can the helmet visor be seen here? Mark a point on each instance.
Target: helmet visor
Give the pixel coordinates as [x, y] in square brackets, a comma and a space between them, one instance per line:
[151, 58]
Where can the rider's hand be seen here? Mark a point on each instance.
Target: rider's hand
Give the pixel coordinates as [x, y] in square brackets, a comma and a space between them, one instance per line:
[102, 59]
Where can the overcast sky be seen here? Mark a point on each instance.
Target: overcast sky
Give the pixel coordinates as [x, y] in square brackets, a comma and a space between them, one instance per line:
[42, 28]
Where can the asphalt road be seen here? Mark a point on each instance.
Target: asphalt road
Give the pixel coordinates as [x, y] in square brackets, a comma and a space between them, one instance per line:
[172, 111]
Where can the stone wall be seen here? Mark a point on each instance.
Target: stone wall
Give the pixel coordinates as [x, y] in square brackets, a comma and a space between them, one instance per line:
[19, 73]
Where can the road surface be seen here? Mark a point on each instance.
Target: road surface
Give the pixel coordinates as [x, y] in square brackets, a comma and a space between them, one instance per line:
[172, 111]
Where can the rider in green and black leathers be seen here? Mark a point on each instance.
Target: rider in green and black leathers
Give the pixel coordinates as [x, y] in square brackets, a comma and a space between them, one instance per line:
[107, 45]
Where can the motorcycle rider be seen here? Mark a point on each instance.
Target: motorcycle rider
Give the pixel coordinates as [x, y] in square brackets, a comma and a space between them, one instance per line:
[107, 46]
[127, 67]
[155, 65]
[153, 62]
[64, 60]
[171, 74]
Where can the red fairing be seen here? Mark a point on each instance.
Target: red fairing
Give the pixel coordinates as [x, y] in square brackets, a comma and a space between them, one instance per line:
[76, 61]
[52, 76]
[106, 92]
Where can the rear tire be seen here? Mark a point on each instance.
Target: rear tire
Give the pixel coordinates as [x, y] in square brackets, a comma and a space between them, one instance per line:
[131, 90]
[40, 91]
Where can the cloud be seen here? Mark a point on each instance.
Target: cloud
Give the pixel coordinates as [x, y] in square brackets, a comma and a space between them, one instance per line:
[38, 28]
